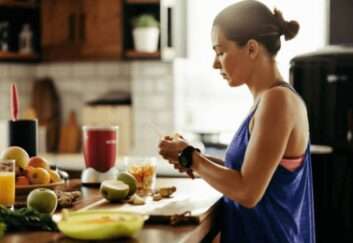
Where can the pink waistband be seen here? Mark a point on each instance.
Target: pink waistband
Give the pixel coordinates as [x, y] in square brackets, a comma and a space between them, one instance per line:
[292, 163]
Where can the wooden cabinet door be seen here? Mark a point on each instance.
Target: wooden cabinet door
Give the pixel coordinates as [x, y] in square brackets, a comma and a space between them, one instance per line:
[59, 29]
[102, 29]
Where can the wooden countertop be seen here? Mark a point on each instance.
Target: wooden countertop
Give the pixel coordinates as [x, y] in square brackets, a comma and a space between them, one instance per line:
[204, 231]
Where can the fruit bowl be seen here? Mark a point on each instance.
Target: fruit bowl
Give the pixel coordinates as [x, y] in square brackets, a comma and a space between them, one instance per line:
[24, 190]
[100, 224]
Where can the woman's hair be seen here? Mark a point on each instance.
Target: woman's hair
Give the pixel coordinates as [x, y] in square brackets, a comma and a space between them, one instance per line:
[250, 19]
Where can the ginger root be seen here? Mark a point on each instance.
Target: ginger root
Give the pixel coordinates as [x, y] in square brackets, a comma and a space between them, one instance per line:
[166, 191]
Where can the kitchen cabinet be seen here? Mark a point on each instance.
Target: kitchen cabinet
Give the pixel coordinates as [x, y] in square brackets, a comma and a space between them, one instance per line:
[132, 9]
[14, 15]
[59, 29]
[81, 30]
[103, 24]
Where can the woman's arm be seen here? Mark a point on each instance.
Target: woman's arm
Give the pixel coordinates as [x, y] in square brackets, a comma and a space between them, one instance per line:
[274, 122]
[272, 128]
[214, 159]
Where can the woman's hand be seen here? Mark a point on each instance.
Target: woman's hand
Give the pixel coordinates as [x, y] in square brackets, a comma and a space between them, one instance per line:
[170, 148]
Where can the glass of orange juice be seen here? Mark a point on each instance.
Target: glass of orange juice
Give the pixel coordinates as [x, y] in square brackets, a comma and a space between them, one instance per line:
[7, 183]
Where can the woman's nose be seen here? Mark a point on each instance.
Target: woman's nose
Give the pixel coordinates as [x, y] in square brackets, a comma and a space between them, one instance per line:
[216, 63]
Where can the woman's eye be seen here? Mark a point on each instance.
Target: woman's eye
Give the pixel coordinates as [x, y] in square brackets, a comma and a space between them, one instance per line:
[219, 54]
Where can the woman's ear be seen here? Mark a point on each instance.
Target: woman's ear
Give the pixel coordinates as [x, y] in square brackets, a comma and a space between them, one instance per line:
[253, 48]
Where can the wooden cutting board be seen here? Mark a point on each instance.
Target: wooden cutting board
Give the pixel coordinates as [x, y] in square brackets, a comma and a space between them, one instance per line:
[193, 196]
[70, 135]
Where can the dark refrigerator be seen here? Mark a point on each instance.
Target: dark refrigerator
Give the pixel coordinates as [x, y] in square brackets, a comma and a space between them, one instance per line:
[324, 79]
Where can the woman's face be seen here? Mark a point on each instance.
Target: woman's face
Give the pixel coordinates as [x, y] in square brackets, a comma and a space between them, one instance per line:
[233, 61]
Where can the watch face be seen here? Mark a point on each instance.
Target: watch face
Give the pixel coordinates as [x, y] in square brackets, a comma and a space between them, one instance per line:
[184, 161]
[185, 158]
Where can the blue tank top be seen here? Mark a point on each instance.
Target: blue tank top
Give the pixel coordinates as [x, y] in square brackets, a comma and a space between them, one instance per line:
[286, 211]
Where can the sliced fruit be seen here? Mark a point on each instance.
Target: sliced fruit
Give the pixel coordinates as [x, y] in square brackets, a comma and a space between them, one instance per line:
[130, 180]
[43, 200]
[100, 224]
[114, 191]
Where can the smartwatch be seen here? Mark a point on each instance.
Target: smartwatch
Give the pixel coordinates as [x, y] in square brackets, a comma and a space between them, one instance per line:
[185, 156]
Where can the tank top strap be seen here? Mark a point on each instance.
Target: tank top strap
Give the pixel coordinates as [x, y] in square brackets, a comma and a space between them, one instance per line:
[284, 84]
[279, 83]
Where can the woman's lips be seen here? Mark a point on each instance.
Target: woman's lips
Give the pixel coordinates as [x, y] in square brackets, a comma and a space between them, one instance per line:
[224, 75]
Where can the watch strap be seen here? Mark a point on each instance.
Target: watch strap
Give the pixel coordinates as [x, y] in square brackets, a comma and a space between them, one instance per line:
[185, 156]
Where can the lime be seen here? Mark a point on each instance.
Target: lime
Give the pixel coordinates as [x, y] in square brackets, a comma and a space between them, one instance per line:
[114, 191]
[130, 180]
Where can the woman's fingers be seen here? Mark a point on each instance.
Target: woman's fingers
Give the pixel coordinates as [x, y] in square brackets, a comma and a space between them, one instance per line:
[168, 138]
[169, 149]
[168, 155]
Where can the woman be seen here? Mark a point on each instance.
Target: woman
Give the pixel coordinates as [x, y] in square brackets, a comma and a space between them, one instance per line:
[266, 176]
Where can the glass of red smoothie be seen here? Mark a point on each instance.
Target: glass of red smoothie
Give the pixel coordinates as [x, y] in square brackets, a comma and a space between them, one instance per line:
[100, 147]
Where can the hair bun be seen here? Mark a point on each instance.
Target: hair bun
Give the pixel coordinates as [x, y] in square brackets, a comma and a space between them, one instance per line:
[288, 28]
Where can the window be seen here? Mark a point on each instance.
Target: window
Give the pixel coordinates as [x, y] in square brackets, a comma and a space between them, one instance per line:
[204, 100]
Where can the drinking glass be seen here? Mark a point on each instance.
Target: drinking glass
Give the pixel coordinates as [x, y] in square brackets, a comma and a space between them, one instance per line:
[144, 170]
[100, 147]
[7, 183]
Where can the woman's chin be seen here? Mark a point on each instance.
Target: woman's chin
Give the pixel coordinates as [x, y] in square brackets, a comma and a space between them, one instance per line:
[233, 83]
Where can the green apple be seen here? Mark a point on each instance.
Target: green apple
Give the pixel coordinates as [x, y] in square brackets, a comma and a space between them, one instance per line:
[130, 180]
[2, 229]
[43, 200]
[100, 224]
[114, 191]
[19, 155]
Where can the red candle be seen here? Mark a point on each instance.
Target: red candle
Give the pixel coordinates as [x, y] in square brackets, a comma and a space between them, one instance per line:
[14, 103]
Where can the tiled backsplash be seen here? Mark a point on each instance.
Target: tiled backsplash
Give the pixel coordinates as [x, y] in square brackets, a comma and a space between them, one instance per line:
[150, 82]
[153, 99]
[23, 75]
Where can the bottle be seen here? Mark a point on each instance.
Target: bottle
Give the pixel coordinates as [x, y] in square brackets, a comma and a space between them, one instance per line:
[25, 40]
[4, 36]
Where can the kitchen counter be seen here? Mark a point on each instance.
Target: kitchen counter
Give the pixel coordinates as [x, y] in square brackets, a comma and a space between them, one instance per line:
[74, 163]
[201, 201]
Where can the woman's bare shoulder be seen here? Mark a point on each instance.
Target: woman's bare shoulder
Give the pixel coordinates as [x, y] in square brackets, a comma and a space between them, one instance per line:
[281, 97]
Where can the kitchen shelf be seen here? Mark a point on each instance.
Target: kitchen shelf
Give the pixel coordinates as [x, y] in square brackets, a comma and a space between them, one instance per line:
[14, 56]
[138, 54]
[19, 3]
[142, 1]
[133, 9]
[17, 13]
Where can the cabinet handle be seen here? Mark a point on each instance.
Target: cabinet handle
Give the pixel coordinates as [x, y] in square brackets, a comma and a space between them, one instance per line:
[71, 28]
[81, 27]
[166, 16]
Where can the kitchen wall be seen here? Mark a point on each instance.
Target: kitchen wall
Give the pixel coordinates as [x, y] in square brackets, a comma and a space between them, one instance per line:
[76, 82]
[150, 82]
[154, 104]
[340, 22]
[20, 74]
